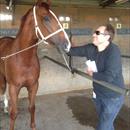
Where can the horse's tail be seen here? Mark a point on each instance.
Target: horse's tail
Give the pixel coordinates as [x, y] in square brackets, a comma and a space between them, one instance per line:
[2, 84]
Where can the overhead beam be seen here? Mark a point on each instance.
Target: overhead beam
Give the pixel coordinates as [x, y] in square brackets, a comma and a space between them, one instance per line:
[84, 3]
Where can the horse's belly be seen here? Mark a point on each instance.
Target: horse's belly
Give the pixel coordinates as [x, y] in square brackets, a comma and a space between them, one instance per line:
[23, 76]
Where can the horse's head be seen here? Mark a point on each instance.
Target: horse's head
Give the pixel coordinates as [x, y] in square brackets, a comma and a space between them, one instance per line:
[49, 26]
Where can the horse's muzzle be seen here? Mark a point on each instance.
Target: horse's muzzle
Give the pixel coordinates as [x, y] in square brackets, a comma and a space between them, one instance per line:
[66, 46]
[63, 48]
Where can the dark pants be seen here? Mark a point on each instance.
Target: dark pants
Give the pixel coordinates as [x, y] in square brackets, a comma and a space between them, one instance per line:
[107, 110]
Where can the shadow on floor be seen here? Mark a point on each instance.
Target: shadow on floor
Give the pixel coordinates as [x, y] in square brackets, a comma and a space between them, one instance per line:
[84, 111]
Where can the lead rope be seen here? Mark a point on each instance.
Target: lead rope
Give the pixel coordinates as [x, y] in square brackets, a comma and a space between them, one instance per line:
[8, 56]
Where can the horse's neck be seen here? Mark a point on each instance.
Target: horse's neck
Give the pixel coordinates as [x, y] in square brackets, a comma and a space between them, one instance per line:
[25, 40]
[26, 36]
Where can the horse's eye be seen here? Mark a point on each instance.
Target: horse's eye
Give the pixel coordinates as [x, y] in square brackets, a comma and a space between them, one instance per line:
[47, 18]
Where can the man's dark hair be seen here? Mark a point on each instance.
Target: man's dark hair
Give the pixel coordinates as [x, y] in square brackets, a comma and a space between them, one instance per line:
[110, 30]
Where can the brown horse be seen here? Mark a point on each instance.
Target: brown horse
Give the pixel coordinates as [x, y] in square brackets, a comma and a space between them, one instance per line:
[22, 68]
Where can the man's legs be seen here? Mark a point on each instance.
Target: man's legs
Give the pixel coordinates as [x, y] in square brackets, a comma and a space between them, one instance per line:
[107, 110]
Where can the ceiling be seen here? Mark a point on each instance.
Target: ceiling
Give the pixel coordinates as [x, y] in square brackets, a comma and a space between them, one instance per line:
[98, 3]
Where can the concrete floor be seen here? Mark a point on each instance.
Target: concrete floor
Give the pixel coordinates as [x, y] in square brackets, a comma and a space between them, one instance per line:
[65, 111]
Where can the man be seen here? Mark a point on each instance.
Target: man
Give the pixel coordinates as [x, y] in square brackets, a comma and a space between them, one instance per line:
[104, 63]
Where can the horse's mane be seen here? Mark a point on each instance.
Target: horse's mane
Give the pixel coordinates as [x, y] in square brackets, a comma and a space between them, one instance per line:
[41, 4]
[25, 16]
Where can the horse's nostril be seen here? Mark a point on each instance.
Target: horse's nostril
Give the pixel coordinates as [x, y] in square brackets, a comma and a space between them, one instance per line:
[65, 45]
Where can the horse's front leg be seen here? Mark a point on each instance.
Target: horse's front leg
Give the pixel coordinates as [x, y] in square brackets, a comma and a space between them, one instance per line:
[32, 90]
[13, 93]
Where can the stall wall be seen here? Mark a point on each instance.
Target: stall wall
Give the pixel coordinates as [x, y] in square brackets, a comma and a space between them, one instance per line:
[84, 20]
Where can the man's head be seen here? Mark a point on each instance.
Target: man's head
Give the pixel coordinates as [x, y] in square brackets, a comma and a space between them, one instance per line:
[103, 34]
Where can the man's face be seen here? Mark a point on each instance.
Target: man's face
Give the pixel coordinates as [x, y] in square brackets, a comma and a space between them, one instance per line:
[99, 36]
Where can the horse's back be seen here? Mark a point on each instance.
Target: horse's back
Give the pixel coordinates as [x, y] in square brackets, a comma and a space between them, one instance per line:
[5, 39]
[5, 45]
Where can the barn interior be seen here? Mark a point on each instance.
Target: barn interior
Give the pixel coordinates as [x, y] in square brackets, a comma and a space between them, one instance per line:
[64, 100]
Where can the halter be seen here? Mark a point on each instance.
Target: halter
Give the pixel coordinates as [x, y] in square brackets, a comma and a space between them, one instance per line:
[37, 29]
[43, 38]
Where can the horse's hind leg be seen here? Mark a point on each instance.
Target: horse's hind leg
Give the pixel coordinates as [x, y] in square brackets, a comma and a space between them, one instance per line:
[32, 95]
[2, 92]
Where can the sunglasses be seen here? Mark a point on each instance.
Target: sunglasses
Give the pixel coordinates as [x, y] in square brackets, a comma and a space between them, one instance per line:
[99, 33]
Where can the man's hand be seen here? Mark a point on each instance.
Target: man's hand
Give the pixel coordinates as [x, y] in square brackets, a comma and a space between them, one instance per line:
[89, 72]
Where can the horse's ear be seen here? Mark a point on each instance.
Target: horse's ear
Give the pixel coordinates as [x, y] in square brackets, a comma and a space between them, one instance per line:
[48, 2]
[38, 3]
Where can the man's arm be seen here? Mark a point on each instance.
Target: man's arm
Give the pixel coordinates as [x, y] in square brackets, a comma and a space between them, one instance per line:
[79, 51]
